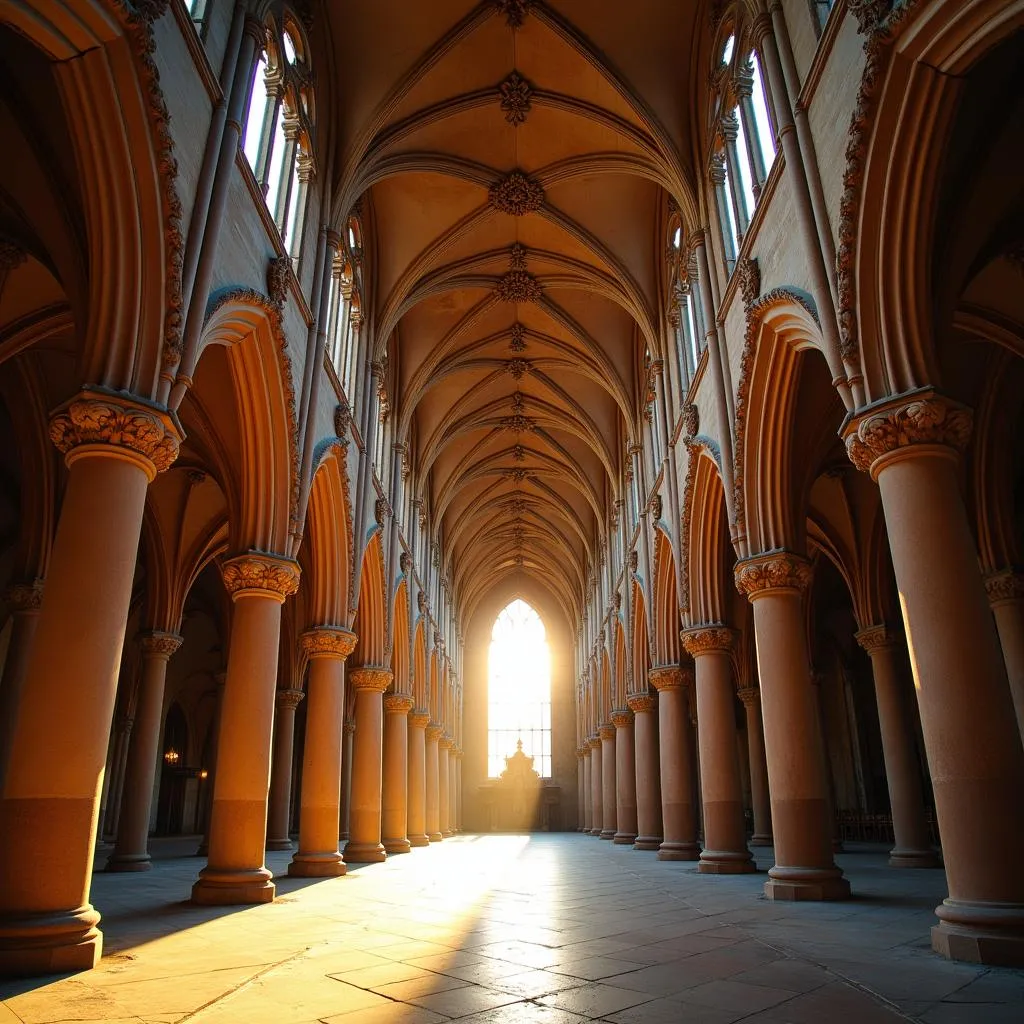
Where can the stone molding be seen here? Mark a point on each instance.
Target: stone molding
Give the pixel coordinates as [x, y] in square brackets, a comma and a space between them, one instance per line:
[160, 643]
[606, 732]
[398, 703]
[875, 639]
[258, 573]
[640, 702]
[667, 677]
[328, 642]
[25, 597]
[622, 717]
[774, 570]
[706, 639]
[1005, 585]
[921, 418]
[99, 418]
[289, 698]
[367, 677]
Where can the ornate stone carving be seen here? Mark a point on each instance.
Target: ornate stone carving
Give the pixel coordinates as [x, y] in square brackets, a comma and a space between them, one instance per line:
[518, 453]
[342, 421]
[517, 476]
[370, 678]
[515, 11]
[381, 510]
[25, 597]
[928, 419]
[617, 602]
[290, 699]
[750, 280]
[691, 421]
[606, 732]
[518, 424]
[11, 256]
[267, 574]
[517, 368]
[621, 717]
[519, 286]
[875, 638]
[776, 570]
[667, 677]
[705, 639]
[405, 562]
[634, 561]
[397, 704]
[517, 195]
[159, 643]
[98, 418]
[1006, 585]
[750, 695]
[518, 338]
[328, 642]
[641, 702]
[418, 718]
[515, 98]
[421, 602]
[656, 508]
[279, 274]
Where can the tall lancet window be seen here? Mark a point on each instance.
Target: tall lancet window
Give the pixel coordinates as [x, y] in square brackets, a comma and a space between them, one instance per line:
[519, 690]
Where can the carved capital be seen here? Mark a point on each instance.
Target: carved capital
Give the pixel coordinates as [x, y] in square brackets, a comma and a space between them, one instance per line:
[160, 644]
[257, 573]
[328, 642]
[706, 639]
[95, 420]
[776, 570]
[366, 677]
[640, 702]
[582, 752]
[289, 699]
[750, 695]
[606, 732]
[594, 742]
[25, 597]
[1003, 586]
[397, 704]
[668, 677]
[876, 639]
[445, 742]
[434, 731]
[349, 726]
[924, 418]
[621, 717]
[418, 718]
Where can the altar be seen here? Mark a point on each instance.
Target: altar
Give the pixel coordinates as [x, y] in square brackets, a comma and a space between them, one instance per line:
[519, 800]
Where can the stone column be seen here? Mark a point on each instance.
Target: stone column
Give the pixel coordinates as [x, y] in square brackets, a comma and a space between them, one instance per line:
[24, 600]
[118, 758]
[588, 802]
[444, 744]
[725, 835]
[453, 781]
[608, 792]
[751, 697]
[417, 776]
[131, 851]
[1006, 596]
[203, 849]
[278, 815]
[625, 778]
[113, 446]
[911, 448]
[596, 786]
[349, 733]
[804, 869]
[913, 847]
[679, 820]
[235, 873]
[648, 783]
[364, 845]
[327, 647]
[394, 800]
[433, 799]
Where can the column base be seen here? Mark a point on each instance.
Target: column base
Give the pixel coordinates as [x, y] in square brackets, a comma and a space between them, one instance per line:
[397, 845]
[726, 862]
[365, 853]
[980, 933]
[435, 837]
[672, 850]
[651, 843]
[56, 943]
[624, 838]
[913, 859]
[317, 865]
[596, 832]
[761, 840]
[799, 884]
[607, 833]
[422, 840]
[128, 862]
[276, 845]
[231, 888]
[448, 833]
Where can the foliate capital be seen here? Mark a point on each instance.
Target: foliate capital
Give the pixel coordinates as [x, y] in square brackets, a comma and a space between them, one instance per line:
[25, 597]
[1003, 586]
[594, 742]
[750, 695]
[775, 570]
[606, 731]
[366, 677]
[875, 639]
[95, 420]
[398, 703]
[667, 677]
[328, 642]
[621, 717]
[258, 573]
[706, 639]
[290, 699]
[418, 718]
[445, 742]
[908, 421]
[162, 645]
[434, 731]
[640, 702]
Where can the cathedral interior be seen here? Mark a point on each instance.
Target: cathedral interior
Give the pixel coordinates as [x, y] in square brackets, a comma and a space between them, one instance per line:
[427, 428]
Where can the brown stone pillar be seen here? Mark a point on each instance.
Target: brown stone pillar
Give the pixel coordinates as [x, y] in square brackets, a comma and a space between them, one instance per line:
[235, 873]
[327, 647]
[1006, 596]
[648, 782]
[114, 447]
[975, 756]
[278, 816]
[759, 795]
[364, 845]
[24, 600]
[608, 794]
[453, 785]
[596, 786]
[725, 834]
[444, 744]
[679, 821]
[804, 868]
[625, 778]
[118, 758]
[348, 732]
[417, 823]
[131, 852]
[588, 802]
[204, 843]
[913, 847]
[433, 801]
[394, 800]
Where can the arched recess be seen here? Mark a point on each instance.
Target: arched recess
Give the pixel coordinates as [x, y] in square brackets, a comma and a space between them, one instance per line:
[607, 701]
[621, 666]
[419, 665]
[641, 658]
[400, 640]
[706, 540]
[371, 612]
[666, 602]
[329, 537]
[434, 684]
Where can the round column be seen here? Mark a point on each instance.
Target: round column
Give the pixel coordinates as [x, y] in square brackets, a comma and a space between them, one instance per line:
[327, 647]
[349, 732]
[444, 744]
[1005, 592]
[433, 801]
[725, 834]
[607, 734]
[911, 448]
[417, 776]
[454, 757]
[394, 799]
[588, 802]
[751, 697]
[913, 847]
[278, 814]
[204, 844]
[24, 600]
[596, 786]
[235, 872]
[679, 820]
[131, 852]
[113, 446]
[625, 778]
[804, 869]
[648, 785]
[364, 845]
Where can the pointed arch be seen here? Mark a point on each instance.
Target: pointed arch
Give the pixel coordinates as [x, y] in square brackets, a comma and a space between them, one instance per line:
[667, 622]
[329, 537]
[641, 659]
[401, 640]
[370, 622]
[706, 541]
[419, 665]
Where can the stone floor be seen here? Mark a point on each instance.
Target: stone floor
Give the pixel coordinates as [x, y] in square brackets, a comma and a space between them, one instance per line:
[513, 929]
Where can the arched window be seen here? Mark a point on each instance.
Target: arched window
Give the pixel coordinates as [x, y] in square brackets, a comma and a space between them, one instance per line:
[684, 310]
[820, 10]
[279, 130]
[198, 11]
[519, 690]
[345, 308]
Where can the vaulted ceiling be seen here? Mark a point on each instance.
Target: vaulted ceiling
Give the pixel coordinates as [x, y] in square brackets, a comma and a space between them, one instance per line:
[515, 162]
